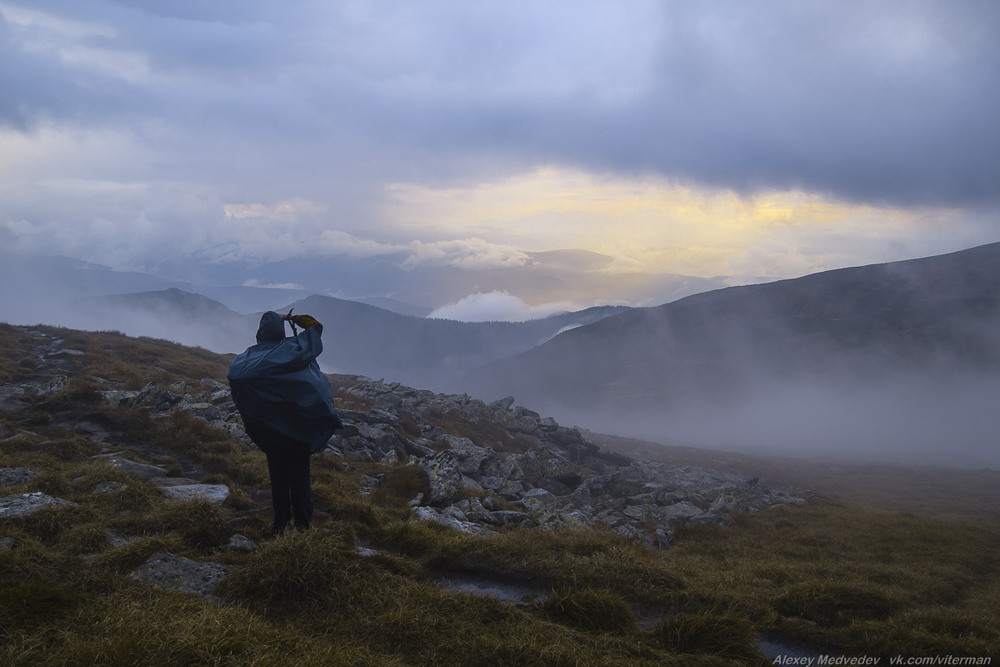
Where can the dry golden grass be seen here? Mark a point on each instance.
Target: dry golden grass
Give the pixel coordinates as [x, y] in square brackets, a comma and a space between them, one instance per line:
[481, 431]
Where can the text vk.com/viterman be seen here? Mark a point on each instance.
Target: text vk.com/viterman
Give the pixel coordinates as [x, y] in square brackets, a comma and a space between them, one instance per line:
[872, 660]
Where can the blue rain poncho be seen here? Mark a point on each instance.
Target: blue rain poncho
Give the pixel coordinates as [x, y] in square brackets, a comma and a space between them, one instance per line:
[279, 389]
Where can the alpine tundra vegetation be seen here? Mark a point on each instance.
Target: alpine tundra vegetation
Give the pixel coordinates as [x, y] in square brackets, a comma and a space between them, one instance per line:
[134, 530]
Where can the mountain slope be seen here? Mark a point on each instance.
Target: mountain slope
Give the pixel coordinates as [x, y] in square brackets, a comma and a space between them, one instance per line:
[366, 340]
[359, 338]
[838, 334]
[172, 314]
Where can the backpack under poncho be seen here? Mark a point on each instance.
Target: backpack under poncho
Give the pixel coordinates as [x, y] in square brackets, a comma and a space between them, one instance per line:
[279, 389]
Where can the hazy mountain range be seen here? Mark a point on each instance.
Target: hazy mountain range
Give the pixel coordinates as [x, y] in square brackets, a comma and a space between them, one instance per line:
[899, 358]
[359, 338]
[940, 313]
[31, 284]
[889, 358]
[399, 282]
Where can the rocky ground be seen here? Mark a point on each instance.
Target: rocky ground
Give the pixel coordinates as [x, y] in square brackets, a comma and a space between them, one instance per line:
[515, 468]
[561, 480]
[489, 465]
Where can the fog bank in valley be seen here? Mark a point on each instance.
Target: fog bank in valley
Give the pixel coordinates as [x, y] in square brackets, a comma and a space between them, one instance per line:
[949, 420]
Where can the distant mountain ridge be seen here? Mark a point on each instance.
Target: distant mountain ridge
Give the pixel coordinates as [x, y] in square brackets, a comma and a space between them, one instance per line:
[358, 338]
[926, 322]
[903, 355]
[173, 314]
[557, 276]
[366, 340]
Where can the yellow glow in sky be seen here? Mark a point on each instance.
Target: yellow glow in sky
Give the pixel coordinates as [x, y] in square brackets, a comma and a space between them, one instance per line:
[654, 225]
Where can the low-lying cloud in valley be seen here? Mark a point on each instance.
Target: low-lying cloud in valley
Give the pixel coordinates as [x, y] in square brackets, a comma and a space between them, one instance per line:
[498, 306]
[910, 419]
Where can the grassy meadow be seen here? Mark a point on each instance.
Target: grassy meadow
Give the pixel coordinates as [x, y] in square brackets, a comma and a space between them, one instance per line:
[835, 576]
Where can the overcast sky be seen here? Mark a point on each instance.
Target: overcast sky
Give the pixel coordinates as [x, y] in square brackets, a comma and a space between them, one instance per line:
[745, 139]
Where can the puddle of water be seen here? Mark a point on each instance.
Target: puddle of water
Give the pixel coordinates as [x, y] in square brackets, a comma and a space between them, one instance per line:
[489, 588]
[775, 648]
[520, 593]
[477, 585]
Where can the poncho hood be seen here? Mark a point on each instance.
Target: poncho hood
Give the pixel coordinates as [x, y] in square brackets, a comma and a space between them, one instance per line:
[272, 328]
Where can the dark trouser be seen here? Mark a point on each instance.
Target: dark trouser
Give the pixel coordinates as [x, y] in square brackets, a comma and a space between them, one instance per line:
[291, 490]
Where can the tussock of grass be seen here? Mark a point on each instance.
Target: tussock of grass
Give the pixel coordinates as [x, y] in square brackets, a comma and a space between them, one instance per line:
[212, 448]
[48, 525]
[30, 561]
[575, 559]
[589, 610]
[29, 604]
[200, 524]
[336, 497]
[150, 628]
[429, 542]
[298, 571]
[80, 392]
[122, 559]
[87, 538]
[18, 359]
[401, 484]
[341, 386]
[834, 603]
[726, 636]
[51, 482]
[481, 431]
[135, 497]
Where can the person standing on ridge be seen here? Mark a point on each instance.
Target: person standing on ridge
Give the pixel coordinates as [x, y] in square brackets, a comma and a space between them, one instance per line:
[287, 409]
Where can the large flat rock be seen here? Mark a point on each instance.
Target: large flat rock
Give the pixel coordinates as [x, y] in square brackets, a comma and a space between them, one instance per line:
[22, 504]
[175, 573]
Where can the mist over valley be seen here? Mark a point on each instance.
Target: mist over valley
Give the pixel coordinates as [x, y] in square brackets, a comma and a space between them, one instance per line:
[893, 362]
[890, 362]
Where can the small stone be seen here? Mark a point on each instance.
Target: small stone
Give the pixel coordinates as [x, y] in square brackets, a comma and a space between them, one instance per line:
[108, 487]
[445, 478]
[468, 527]
[203, 411]
[664, 538]
[240, 543]
[213, 493]
[537, 500]
[116, 539]
[15, 476]
[141, 470]
[120, 397]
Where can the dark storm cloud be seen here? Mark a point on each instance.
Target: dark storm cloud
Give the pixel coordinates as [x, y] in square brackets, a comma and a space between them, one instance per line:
[873, 102]
[889, 102]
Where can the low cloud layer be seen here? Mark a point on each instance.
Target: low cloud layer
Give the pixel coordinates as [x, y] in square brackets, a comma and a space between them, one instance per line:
[911, 420]
[498, 306]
